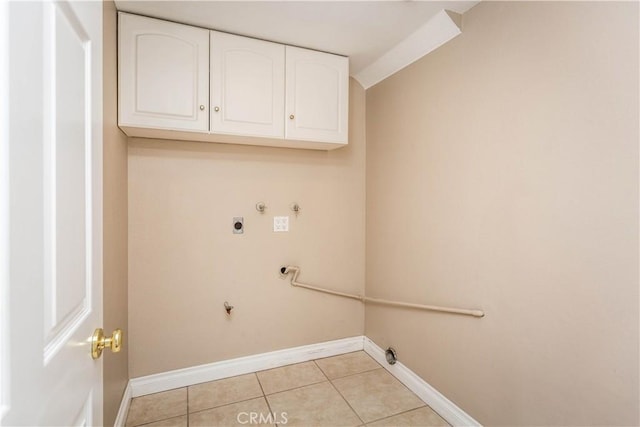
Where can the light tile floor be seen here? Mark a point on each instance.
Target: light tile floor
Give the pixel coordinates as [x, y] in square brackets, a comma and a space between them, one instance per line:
[347, 390]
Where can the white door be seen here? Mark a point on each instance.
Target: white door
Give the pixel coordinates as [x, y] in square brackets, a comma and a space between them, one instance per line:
[51, 212]
[247, 86]
[317, 99]
[163, 74]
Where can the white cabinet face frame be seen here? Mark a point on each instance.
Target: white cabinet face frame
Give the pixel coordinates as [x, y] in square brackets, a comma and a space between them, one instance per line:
[317, 96]
[247, 86]
[163, 74]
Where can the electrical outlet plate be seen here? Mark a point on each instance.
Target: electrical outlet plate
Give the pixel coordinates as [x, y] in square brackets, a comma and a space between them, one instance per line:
[280, 224]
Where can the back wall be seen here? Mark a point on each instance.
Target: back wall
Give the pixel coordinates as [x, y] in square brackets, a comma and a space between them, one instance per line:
[184, 261]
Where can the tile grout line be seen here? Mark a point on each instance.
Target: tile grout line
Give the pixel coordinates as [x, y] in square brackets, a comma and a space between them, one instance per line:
[293, 388]
[162, 419]
[320, 369]
[341, 354]
[296, 388]
[343, 398]
[411, 391]
[357, 373]
[279, 367]
[225, 405]
[347, 402]
[264, 396]
[208, 408]
[402, 413]
[424, 404]
[157, 421]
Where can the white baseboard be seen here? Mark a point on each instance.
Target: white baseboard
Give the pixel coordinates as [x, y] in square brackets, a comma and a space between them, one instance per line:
[432, 397]
[242, 365]
[121, 418]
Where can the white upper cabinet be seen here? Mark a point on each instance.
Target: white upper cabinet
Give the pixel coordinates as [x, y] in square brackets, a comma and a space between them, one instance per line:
[181, 82]
[317, 96]
[247, 86]
[163, 74]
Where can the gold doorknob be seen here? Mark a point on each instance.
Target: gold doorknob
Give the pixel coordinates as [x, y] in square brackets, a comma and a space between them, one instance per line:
[99, 342]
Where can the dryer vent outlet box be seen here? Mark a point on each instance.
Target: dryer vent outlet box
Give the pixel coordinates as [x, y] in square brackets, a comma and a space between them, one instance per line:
[391, 355]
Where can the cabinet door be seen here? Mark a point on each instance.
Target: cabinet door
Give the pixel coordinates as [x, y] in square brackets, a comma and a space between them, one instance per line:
[247, 86]
[317, 96]
[163, 74]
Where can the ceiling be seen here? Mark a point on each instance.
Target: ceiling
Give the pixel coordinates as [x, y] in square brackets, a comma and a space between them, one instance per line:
[362, 30]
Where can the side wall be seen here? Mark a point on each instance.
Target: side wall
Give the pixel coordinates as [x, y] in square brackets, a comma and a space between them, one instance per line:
[185, 262]
[115, 225]
[502, 174]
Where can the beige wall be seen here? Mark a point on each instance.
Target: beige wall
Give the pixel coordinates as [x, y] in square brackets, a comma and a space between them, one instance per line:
[115, 225]
[185, 261]
[502, 173]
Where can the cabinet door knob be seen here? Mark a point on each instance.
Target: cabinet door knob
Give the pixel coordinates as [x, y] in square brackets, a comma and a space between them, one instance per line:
[216, 109]
[202, 108]
[292, 117]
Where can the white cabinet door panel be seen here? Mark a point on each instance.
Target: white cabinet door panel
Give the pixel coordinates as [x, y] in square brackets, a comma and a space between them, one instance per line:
[164, 74]
[247, 86]
[317, 96]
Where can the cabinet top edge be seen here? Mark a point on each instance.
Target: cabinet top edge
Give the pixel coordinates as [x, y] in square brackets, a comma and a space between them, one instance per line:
[124, 12]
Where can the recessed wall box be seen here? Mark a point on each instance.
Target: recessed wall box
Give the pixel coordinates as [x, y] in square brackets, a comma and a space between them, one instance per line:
[238, 225]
